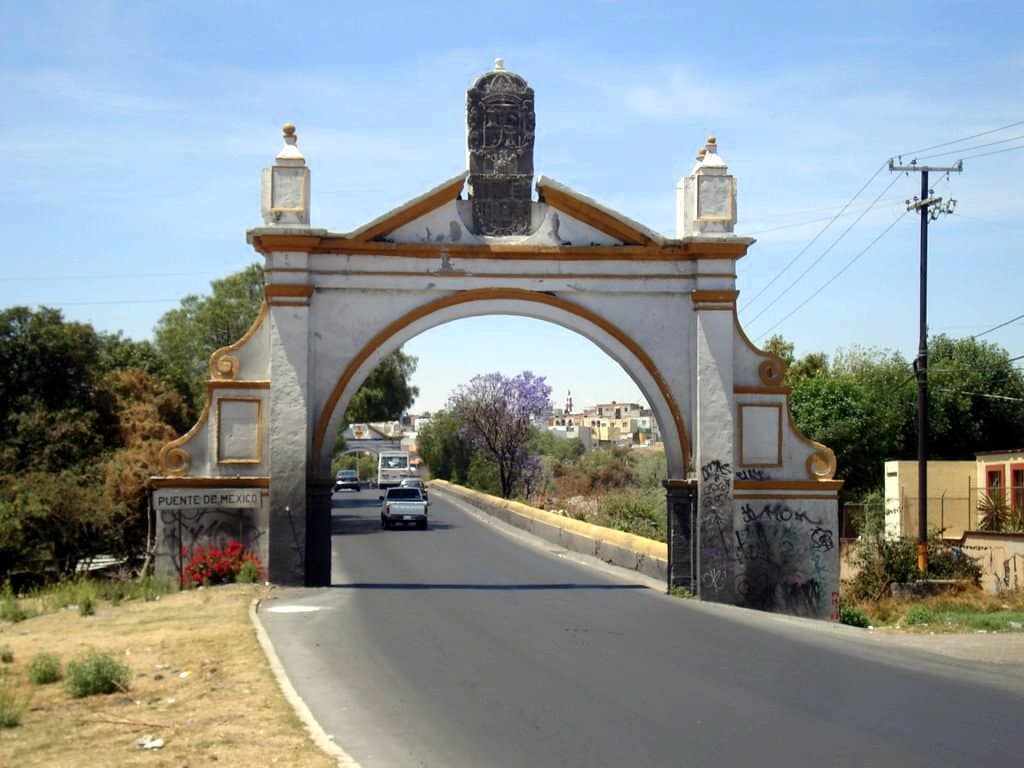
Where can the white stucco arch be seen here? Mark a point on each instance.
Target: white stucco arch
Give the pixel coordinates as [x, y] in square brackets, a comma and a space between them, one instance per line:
[752, 503]
[540, 306]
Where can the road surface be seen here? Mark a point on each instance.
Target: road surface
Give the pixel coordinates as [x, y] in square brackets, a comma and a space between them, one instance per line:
[463, 645]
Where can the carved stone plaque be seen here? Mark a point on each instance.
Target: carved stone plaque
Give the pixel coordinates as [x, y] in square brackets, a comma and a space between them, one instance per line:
[501, 123]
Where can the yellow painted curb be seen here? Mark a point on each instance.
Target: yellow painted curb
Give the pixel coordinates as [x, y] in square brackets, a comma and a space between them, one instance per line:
[656, 550]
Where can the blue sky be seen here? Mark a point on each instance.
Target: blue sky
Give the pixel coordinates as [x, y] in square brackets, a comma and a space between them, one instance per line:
[134, 134]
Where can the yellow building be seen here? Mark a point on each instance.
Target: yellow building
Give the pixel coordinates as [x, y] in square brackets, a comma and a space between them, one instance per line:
[955, 489]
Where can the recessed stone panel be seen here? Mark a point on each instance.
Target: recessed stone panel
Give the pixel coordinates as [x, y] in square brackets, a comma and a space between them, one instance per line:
[714, 197]
[761, 435]
[239, 430]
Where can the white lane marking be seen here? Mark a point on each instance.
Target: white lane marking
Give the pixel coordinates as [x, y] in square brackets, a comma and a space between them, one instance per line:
[293, 609]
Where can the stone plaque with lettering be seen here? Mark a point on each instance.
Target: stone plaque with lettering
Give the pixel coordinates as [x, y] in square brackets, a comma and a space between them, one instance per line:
[501, 123]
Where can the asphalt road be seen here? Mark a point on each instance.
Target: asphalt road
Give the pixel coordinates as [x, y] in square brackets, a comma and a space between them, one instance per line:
[464, 646]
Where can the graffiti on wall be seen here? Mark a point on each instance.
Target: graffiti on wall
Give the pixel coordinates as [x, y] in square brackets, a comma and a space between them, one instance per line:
[753, 474]
[184, 530]
[781, 556]
[716, 529]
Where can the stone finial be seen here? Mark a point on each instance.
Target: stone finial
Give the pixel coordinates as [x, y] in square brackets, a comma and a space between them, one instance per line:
[499, 65]
[290, 154]
[285, 187]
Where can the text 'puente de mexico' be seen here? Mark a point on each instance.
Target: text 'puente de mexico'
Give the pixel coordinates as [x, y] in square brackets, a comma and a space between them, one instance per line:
[752, 503]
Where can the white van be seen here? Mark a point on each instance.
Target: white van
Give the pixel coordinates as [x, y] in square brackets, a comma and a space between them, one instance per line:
[392, 467]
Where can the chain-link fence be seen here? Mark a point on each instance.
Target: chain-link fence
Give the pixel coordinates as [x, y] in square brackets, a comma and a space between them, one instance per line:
[998, 509]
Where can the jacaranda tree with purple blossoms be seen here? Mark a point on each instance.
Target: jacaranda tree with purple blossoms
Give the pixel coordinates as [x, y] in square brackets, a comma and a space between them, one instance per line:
[497, 416]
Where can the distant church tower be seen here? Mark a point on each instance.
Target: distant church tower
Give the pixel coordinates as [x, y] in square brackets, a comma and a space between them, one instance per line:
[568, 403]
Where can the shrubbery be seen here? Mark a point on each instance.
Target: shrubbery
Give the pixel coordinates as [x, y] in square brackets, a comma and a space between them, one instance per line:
[97, 673]
[211, 565]
[13, 704]
[44, 669]
[852, 616]
[881, 562]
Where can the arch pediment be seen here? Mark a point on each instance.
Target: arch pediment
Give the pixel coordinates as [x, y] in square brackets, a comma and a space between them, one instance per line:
[443, 216]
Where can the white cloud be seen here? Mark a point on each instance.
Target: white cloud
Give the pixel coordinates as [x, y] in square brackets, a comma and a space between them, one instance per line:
[66, 86]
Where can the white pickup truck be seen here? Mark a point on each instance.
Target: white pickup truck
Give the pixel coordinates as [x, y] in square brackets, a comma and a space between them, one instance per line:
[403, 505]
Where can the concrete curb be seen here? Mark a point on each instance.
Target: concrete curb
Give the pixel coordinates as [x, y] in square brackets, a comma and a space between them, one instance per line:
[319, 736]
[618, 548]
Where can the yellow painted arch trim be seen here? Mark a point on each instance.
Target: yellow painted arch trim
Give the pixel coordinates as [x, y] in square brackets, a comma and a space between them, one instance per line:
[497, 294]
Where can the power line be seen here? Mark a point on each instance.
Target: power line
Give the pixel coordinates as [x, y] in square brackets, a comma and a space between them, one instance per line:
[755, 231]
[815, 238]
[969, 149]
[123, 301]
[119, 276]
[960, 140]
[981, 394]
[824, 253]
[828, 282]
[997, 327]
[995, 152]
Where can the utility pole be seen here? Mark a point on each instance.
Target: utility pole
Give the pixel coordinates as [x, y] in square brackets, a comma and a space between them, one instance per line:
[931, 208]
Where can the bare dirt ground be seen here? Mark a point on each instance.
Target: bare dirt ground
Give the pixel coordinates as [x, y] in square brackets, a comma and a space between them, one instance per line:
[988, 647]
[201, 683]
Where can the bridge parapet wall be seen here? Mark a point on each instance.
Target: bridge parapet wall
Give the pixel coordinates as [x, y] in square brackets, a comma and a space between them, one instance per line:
[625, 550]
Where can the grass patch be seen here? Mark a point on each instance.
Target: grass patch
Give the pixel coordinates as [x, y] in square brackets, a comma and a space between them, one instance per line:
[82, 593]
[44, 669]
[1010, 621]
[85, 608]
[97, 674]
[919, 614]
[853, 616]
[13, 703]
[204, 633]
[11, 608]
[969, 610]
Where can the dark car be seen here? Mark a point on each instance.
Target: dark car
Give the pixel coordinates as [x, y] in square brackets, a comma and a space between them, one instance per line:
[347, 479]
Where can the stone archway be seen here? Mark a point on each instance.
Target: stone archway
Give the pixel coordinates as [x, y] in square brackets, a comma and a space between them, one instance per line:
[765, 513]
[510, 301]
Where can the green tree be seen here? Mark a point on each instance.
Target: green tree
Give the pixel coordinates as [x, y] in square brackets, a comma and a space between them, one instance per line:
[859, 406]
[564, 449]
[188, 335]
[781, 348]
[47, 405]
[976, 398]
[47, 362]
[386, 394]
[444, 449]
[863, 405]
[79, 434]
[56, 519]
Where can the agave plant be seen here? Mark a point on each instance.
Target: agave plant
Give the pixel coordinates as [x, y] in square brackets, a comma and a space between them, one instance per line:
[1015, 523]
[994, 514]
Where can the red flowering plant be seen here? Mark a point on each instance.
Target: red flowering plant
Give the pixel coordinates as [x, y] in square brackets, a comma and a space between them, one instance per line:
[211, 565]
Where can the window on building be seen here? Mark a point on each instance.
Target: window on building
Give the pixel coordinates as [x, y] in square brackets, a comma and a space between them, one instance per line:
[994, 481]
[1017, 486]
